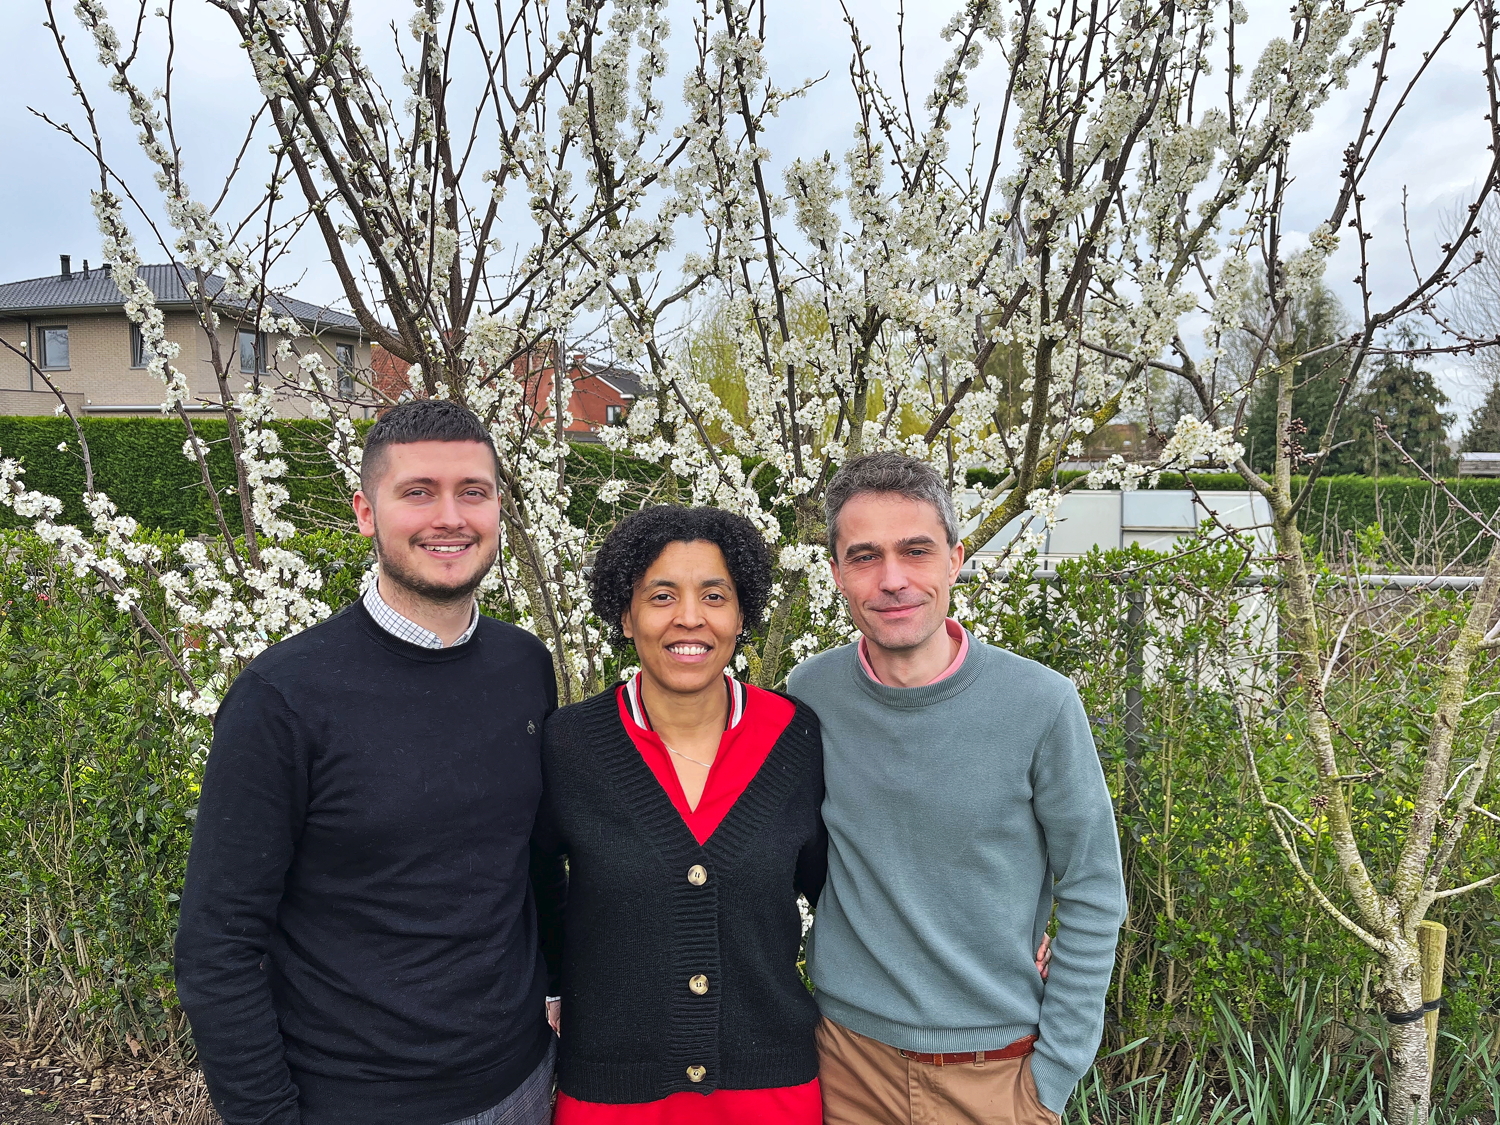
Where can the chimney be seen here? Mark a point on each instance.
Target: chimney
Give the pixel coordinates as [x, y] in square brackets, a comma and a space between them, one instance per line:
[67, 266]
[578, 359]
[85, 267]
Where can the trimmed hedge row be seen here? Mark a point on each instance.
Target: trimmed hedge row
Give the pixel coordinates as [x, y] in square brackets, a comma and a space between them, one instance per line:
[139, 463]
[1421, 526]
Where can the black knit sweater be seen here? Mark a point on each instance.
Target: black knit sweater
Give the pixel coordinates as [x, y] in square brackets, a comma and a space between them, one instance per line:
[638, 927]
[358, 944]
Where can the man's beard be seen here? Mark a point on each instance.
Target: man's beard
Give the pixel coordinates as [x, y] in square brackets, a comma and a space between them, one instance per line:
[415, 584]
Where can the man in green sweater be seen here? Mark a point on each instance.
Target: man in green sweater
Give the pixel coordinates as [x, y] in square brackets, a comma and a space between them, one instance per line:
[964, 799]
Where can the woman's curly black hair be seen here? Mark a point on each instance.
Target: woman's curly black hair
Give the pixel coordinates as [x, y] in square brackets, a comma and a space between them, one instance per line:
[639, 539]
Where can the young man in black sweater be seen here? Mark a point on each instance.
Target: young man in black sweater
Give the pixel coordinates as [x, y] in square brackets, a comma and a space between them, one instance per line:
[358, 941]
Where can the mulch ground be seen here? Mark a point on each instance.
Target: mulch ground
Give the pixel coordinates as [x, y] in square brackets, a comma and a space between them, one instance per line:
[46, 1091]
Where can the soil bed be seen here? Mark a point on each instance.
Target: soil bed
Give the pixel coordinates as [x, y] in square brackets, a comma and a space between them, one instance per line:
[48, 1091]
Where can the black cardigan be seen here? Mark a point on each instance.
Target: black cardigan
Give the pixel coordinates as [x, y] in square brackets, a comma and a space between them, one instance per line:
[637, 928]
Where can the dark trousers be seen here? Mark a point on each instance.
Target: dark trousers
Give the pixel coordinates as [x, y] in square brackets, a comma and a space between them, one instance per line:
[530, 1103]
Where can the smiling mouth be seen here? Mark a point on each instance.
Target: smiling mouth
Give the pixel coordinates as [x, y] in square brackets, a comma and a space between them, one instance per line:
[445, 548]
[688, 648]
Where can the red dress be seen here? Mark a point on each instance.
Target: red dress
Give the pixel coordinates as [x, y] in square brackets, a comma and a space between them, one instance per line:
[756, 720]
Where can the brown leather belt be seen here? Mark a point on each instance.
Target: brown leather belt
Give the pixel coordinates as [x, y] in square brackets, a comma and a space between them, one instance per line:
[1020, 1048]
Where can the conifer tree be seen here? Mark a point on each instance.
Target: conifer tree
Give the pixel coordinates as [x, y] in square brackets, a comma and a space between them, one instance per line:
[1483, 432]
[1408, 402]
[1316, 321]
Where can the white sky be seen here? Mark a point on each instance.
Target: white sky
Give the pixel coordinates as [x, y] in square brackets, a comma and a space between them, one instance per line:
[1435, 158]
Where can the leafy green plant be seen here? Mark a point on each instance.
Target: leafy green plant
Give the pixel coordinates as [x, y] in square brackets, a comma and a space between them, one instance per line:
[98, 783]
[99, 777]
[1287, 1070]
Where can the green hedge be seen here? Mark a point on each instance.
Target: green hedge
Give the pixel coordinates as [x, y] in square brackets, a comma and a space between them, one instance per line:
[1421, 525]
[138, 463]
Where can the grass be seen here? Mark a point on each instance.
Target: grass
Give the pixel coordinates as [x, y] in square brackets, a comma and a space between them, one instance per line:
[1315, 1071]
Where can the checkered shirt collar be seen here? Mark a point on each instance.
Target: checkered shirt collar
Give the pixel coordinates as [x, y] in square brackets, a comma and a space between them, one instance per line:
[405, 629]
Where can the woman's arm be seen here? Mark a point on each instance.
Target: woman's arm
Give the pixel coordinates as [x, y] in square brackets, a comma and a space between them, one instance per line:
[812, 860]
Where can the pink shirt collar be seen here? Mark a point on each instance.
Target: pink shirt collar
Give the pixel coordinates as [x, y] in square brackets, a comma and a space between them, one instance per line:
[955, 630]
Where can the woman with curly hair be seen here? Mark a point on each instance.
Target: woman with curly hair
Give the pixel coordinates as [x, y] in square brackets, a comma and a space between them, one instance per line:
[687, 804]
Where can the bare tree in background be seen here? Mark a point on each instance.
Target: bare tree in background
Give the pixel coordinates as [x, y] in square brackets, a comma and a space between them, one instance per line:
[1473, 310]
[1380, 898]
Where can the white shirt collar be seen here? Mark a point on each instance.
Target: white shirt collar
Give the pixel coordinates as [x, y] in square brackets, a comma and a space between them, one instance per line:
[738, 697]
[408, 630]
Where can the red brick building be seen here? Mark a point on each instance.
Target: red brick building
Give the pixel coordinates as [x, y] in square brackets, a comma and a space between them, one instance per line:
[599, 395]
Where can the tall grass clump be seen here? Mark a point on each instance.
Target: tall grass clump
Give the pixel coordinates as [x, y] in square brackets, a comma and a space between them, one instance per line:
[1310, 1070]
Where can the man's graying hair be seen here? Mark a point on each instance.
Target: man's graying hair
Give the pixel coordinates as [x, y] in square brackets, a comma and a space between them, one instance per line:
[891, 473]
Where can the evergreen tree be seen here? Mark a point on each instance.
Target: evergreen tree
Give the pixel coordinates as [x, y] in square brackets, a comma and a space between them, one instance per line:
[1409, 402]
[1483, 433]
[1316, 320]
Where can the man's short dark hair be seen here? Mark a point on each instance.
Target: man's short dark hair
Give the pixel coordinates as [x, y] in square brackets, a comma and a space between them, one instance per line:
[639, 539]
[425, 419]
[894, 473]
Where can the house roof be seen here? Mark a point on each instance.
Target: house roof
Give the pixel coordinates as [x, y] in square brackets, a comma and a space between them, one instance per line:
[628, 383]
[88, 290]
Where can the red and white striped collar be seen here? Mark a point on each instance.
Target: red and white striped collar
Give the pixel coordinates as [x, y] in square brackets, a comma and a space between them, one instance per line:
[737, 699]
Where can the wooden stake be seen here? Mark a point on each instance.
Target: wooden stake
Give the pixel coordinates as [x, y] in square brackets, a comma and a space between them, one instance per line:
[1432, 943]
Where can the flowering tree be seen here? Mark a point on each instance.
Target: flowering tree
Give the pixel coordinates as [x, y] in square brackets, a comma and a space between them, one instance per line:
[1072, 185]
[1065, 241]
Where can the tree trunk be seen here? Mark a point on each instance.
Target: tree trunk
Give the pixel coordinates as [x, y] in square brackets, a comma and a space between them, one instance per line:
[1409, 1083]
[774, 648]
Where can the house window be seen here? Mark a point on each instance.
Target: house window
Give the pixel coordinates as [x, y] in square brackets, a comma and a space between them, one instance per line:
[345, 355]
[52, 347]
[252, 352]
[614, 415]
[140, 351]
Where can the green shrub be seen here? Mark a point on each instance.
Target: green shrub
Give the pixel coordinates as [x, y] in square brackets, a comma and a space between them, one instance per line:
[139, 464]
[1216, 915]
[98, 783]
[100, 777]
[1422, 528]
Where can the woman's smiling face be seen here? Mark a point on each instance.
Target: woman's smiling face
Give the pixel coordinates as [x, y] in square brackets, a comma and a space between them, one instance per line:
[684, 617]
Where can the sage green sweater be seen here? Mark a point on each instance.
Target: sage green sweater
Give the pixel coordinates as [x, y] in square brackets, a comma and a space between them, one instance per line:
[957, 813]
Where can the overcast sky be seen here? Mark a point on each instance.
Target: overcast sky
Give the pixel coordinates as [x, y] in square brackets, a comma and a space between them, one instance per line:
[1433, 160]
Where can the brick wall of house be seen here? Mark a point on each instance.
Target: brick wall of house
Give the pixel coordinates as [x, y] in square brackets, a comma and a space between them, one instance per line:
[206, 383]
[36, 403]
[99, 358]
[591, 402]
[14, 375]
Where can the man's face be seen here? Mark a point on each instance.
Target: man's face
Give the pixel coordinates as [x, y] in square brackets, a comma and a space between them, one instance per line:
[894, 565]
[434, 516]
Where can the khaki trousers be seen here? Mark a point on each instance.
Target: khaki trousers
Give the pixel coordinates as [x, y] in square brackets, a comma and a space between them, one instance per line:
[868, 1083]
